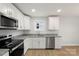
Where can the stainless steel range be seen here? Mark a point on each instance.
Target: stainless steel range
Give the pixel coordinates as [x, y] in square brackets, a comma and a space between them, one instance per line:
[16, 47]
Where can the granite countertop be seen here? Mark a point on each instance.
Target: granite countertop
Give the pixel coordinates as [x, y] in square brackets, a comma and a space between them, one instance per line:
[24, 36]
[3, 51]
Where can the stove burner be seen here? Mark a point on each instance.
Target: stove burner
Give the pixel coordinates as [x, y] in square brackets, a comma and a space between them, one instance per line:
[2, 37]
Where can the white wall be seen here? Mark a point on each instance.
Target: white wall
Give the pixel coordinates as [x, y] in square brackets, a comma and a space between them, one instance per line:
[42, 21]
[69, 30]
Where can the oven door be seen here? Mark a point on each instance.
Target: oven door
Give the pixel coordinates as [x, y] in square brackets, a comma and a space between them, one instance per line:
[17, 51]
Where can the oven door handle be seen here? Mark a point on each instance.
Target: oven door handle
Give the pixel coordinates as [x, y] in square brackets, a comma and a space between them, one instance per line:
[17, 46]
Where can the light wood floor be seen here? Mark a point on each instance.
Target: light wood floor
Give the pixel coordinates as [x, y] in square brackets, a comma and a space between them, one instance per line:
[65, 51]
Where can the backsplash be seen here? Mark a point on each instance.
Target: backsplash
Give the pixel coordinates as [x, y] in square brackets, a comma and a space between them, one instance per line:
[10, 32]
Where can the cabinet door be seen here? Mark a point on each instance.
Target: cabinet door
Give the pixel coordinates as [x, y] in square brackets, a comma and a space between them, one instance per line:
[42, 43]
[58, 43]
[36, 43]
[26, 45]
[30, 43]
[26, 22]
[53, 23]
[39, 43]
[20, 23]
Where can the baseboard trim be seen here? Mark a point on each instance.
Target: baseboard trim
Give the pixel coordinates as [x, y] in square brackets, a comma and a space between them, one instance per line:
[50, 48]
[70, 44]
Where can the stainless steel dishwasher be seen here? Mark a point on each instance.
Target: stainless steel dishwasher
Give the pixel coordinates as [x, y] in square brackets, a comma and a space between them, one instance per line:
[50, 42]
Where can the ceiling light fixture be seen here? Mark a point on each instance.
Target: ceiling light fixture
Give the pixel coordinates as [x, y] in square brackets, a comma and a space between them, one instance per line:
[59, 10]
[33, 10]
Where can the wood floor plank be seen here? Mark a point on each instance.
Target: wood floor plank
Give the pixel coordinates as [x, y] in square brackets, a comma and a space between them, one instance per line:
[65, 51]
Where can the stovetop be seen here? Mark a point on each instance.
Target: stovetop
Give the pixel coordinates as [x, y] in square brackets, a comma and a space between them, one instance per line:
[9, 43]
[12, 44]
[3, 36]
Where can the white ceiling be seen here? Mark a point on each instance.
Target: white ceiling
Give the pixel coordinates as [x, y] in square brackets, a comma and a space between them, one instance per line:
[46, 9]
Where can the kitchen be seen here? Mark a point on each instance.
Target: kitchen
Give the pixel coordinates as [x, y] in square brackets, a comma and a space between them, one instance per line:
[25, 27]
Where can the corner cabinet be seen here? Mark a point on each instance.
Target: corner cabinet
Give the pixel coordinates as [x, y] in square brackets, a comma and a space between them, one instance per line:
[53, 23]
